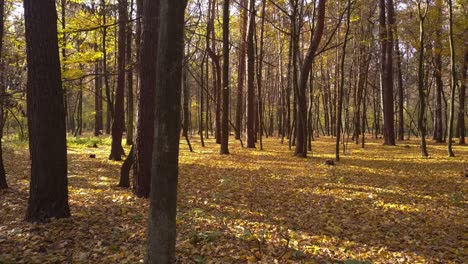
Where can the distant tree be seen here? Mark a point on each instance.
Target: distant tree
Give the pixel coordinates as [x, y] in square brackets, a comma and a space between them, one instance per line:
[118, 125]
[145, 113]
[48, 195]
[163, 201]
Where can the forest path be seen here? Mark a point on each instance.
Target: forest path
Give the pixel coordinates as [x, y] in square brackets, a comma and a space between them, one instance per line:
[381, 204]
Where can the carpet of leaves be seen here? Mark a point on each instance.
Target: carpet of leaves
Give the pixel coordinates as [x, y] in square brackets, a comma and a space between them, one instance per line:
[381, 204]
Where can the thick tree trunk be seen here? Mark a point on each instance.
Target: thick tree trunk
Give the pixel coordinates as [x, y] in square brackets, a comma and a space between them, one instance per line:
[118, 123]
[250, 105]
[48, 195]
[386, 36]
[163, 202]
[145, 127]
[225, 87]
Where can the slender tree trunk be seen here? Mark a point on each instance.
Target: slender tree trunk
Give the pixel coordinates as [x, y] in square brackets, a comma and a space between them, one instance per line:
[250, 113]
[259, 75]
[453, 82]
[401, 121]
[202, 88]
[110, 107]
[186, 103]
[241, 69]
[438, 126]
[145, 118]
[118, 124]
[341, 87]
[301, 125]
[130, 105]
[462, 104]
[48, 195]
[98, 124]
[421, 85]
[3, 182]
[225, 88]
[163, 202]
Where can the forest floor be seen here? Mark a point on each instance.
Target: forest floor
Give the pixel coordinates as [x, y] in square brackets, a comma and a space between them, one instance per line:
[381, 204]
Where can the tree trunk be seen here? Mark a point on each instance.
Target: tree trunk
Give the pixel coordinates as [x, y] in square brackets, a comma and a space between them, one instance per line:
[163, 202]
[48, 196]
[250, 105]
[125, 169]
[98, 124]
[421, 83]
[341, 87]
[118, 123]
[386, 38]
[145, 118]
[110, 107]
[130, 105]
[225, 88]
[186, 103]
[462, 95]
[3, 182]
[438, 127]
[259, 75]
[453, 82]
[241, 69]
[301, 133]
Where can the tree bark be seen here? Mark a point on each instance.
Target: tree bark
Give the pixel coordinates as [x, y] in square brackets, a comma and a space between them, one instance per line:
[145, 127]
[163, 202]
[48, 195]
